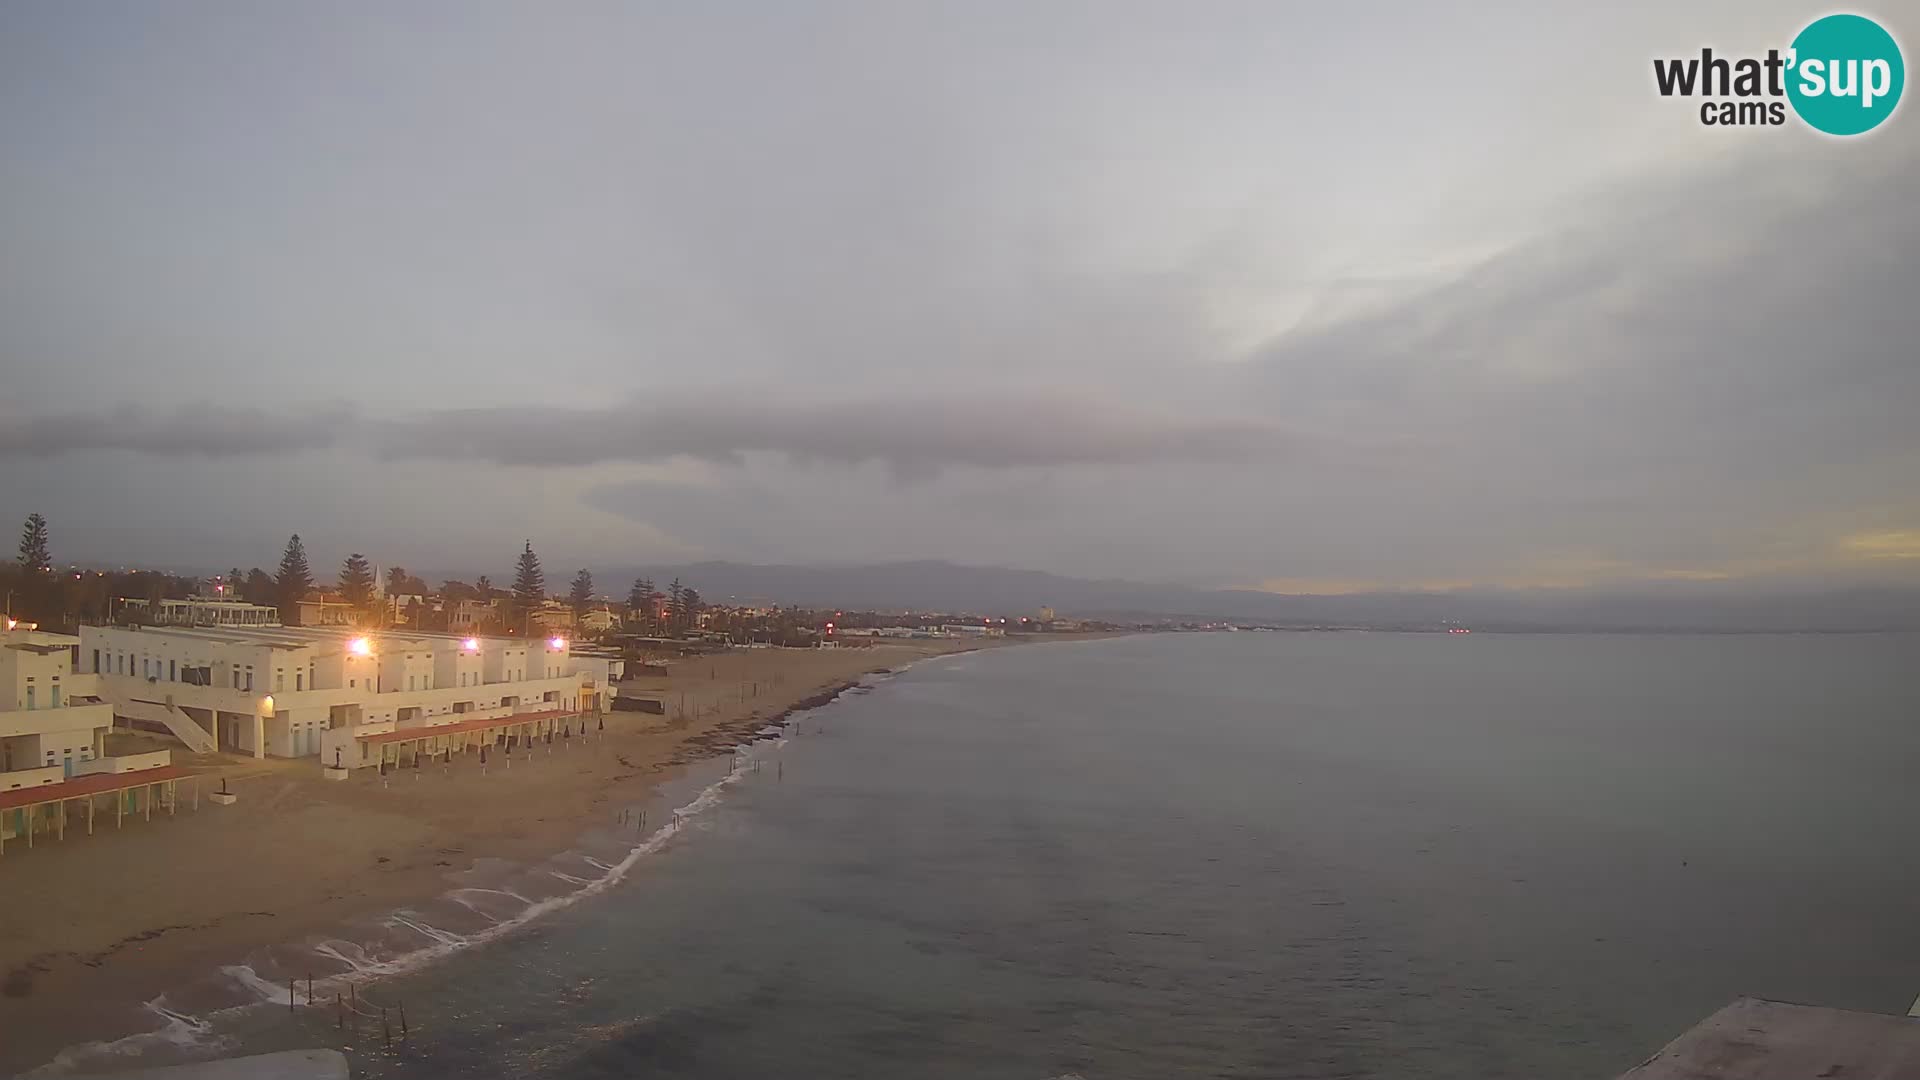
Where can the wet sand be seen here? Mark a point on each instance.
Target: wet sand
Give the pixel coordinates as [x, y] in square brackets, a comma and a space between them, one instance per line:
[97, 926]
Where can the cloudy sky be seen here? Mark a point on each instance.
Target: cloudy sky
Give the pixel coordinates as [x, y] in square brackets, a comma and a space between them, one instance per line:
[1317, 297]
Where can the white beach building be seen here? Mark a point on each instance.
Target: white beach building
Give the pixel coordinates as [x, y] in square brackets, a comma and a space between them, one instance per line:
[323, 691]
[52, 721]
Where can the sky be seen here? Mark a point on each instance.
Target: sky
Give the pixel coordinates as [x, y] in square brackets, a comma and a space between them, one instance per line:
[1305, 297]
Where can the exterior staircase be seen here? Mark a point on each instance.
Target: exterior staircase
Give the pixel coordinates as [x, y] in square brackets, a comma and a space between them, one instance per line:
[184, 727]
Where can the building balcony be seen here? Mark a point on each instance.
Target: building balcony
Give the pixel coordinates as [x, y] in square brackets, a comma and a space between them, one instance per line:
[47, 721]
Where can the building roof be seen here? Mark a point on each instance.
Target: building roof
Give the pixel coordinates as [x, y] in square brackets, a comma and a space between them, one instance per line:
[41, 641]
[300, 637]
[463, 726]
[81, 787]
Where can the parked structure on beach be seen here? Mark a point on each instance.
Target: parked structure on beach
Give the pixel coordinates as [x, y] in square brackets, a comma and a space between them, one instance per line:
[52, 722]
[319, 691]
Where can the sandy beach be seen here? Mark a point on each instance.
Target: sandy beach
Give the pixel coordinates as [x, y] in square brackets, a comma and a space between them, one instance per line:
[124, 915]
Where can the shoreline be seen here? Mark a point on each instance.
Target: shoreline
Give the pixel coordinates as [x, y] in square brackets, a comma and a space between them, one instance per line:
[162, 907]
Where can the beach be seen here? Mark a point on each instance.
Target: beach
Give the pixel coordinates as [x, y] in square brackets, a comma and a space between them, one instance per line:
[127, 914]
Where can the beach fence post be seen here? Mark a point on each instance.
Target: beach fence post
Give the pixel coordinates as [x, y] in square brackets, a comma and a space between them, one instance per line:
[386, 1029]
[291, 1004]
[403, 1019]
[309, 987]
[339, 1013]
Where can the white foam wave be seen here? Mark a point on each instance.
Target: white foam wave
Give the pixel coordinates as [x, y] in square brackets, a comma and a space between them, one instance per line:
[198, 1033]
[177, 1030]
[425, 930]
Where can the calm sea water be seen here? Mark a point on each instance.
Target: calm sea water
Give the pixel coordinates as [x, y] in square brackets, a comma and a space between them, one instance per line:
[1258, 855]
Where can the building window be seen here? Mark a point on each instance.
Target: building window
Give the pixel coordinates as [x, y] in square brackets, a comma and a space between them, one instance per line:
[249, 679]
[96, 661]
[298, 680]
[55, 696]
[30, 693]
[172, 672]
[279, 681]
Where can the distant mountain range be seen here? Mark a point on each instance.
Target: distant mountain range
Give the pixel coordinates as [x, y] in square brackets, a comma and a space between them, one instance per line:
[943, 586]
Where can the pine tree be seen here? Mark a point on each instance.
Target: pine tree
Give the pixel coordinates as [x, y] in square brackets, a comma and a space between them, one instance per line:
[675, 591]
[35, 556]
[640, 597]
[529, 583]
[258, 588]
[232, 590]
[484, 587]
[690, 608]
[581, 592]
[356, 580]
[295, 579]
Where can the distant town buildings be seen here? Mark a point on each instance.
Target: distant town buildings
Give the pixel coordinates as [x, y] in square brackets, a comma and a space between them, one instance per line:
[202, 611]
[327, 611]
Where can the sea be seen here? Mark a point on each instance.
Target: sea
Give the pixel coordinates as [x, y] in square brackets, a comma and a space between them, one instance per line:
[1317, 855]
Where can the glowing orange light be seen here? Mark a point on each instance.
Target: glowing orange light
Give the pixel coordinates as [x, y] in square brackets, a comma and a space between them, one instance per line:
[360, 647]
[471, 644]
[557, 643]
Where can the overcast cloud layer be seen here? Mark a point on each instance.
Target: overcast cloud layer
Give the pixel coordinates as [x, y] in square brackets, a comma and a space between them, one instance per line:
[1232, 294]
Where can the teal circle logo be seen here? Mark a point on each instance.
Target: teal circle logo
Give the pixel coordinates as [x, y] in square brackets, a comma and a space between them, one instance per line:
[1846, 74]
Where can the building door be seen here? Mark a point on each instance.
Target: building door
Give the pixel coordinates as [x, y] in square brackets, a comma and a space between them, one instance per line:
[66, 765]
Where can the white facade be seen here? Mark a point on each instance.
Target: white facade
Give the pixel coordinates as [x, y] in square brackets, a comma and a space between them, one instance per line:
[204, 611]
[278, 692]
[51, 721]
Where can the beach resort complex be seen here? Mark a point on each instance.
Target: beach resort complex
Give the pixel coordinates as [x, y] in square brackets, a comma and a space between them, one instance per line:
[325, 692]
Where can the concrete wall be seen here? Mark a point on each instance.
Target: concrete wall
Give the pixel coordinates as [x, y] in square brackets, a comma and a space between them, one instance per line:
[155, 656]
[125, 763]
[83, 718]
[52, 749]
[22, 778]
[39, 669]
